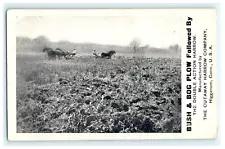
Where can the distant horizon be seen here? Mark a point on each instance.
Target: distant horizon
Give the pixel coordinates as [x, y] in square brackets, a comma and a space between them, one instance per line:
[92, 43]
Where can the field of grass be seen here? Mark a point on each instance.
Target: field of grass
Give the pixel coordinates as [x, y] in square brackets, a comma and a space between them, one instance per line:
[98, 95]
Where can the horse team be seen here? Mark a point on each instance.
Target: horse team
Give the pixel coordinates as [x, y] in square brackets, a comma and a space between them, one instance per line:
[58, 53]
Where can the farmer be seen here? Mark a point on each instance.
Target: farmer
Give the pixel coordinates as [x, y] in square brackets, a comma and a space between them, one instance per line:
[74, 51]
[95, 54]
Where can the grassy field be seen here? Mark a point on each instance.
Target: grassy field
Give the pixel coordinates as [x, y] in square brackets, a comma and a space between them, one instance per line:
[98, 95]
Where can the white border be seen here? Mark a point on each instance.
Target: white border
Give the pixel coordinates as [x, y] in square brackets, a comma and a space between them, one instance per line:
[198, 144]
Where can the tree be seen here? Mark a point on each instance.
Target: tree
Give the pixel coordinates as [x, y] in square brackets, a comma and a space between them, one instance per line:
[41, 40]
[175, 47]
[135, 44]
[144, 47]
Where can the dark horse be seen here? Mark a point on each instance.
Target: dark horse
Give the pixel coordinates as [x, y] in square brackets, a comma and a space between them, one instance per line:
[60, 53]
[53, 54]
[108, 55]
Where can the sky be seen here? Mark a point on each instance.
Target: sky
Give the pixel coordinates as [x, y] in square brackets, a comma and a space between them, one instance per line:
[155, 29]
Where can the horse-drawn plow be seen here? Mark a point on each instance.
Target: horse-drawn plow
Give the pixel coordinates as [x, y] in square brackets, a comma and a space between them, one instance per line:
[58, 53]
[69, 55]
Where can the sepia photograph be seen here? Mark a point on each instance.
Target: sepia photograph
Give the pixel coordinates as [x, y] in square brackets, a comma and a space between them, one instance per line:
[98, 74]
